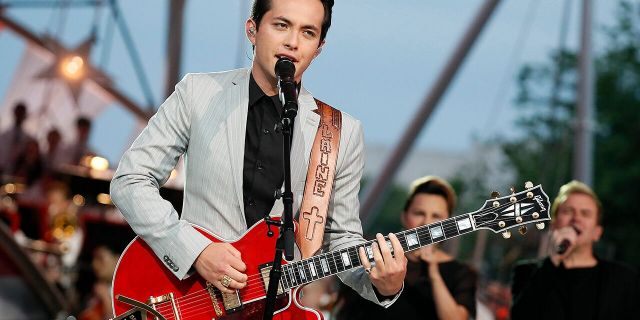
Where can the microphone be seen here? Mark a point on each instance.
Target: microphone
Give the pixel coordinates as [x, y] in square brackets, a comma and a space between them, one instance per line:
[565, 243]
[285, 70]
[563, 246]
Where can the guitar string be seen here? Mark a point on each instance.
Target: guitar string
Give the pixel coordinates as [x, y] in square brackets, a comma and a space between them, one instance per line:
[247, 293]
[253, 291]
[447, 229]
[333, 270]
[261, 290]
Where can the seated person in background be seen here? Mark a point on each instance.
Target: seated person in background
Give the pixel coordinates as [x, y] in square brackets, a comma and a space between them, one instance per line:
[13, 140]
[29, 165]
[74, 152]
[575, 284]
[53, 157]
[105, 259]
[436, 285]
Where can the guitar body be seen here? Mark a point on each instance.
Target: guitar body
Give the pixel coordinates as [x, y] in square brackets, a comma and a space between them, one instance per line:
[140, 274]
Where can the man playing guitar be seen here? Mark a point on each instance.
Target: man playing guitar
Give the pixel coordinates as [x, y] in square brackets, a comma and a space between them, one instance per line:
[223, 125]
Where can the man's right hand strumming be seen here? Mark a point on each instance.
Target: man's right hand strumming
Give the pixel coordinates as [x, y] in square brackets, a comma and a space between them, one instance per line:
[221, 264]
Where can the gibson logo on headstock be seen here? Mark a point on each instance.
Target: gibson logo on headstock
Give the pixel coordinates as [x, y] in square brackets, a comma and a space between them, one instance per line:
[540, 203]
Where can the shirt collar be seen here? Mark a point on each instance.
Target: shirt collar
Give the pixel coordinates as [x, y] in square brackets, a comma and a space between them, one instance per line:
[255, 92]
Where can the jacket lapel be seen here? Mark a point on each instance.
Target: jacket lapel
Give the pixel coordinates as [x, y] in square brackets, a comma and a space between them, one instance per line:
[237, 100]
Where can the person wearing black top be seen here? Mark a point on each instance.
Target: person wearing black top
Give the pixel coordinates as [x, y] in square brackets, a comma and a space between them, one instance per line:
[575, 284]
[436, 285]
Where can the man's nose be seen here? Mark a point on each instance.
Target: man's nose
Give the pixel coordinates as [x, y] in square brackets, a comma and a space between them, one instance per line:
[291, 40]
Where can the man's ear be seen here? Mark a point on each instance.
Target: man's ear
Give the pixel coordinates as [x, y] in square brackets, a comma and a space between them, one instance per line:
[319, 50]
[250, 29]
[597, 233]
[403, 218]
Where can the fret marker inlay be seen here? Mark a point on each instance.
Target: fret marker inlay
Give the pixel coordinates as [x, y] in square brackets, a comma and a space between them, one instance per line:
[412, 240]
[301, 272]
[436, 232]
[464, 224]
[313, 269]
[325, 266]
[345, 259]
[369, 252]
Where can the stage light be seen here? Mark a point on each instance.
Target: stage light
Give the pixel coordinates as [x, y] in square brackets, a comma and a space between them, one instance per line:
[10, 188]
[78, 200]
[72, 67]
[104, 198]
[99, 163]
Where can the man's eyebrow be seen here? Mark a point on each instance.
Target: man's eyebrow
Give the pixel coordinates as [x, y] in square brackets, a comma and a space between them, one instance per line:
[287, 21]
[283, 19]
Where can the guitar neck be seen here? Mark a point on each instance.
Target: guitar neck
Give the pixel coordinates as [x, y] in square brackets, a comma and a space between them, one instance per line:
[327, 264]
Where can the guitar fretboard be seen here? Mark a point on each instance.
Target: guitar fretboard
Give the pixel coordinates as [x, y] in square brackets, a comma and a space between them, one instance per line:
[301, 272]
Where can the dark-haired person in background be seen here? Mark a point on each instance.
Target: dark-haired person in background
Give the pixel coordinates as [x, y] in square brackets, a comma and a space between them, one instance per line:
[575, 284]
[223, 123]
[13, 140]
[437, 286]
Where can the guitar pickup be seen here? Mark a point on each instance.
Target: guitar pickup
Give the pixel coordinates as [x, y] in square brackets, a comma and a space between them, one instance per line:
[265, 269]
[231, 301]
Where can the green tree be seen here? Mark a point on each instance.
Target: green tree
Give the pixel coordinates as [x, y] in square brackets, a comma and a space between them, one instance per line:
[547, 103]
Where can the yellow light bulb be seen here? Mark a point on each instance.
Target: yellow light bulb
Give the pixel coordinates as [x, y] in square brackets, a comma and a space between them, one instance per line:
[72, 67]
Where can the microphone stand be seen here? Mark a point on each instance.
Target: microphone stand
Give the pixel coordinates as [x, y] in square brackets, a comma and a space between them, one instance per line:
[286, 238]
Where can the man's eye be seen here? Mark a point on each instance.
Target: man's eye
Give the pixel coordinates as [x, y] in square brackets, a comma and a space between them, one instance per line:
[280, 25]
[310, 33]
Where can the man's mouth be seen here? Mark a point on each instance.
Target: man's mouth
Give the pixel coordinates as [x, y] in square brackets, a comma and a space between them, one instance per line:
[286, 56]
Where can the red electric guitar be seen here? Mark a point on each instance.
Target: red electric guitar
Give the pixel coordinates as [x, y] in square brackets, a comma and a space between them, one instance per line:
[144, 287]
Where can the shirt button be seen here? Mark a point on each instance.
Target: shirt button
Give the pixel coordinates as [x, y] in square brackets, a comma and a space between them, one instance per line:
[251, 203]
[259, 165]
[266, 131]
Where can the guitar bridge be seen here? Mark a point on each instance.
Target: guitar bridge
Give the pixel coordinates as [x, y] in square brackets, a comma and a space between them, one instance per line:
[153, 301]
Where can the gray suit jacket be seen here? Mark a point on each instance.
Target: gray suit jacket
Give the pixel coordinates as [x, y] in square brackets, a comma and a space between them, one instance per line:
[205, 120]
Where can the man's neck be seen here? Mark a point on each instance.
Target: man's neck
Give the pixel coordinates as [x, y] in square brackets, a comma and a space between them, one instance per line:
[266, 83]
[581, 257]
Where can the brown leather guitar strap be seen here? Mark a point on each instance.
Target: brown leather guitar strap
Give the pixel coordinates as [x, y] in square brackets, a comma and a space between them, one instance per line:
[320, 176]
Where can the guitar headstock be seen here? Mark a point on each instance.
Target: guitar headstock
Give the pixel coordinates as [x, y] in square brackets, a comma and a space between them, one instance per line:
[515, 210]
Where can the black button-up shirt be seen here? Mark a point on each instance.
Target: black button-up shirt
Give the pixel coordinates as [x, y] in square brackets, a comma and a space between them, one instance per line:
[263, 172]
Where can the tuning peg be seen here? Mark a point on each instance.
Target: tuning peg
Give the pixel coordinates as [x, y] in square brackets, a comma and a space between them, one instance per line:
[495, 194]
[506, 234]
[522, 230]
[528, 185]
[540, 225]
[513, 190]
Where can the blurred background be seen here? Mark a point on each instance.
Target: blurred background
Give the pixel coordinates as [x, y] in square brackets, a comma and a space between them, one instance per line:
[487, 94]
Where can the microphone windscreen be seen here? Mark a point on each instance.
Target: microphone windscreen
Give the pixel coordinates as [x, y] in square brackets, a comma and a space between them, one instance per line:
[285, 67]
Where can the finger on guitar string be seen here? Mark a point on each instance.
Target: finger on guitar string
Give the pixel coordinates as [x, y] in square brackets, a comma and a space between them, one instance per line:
[364, 260]
[397, 249]
[377, 257]
[385, 251]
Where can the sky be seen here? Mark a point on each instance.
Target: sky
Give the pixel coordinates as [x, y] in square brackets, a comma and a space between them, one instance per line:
[380, 60]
